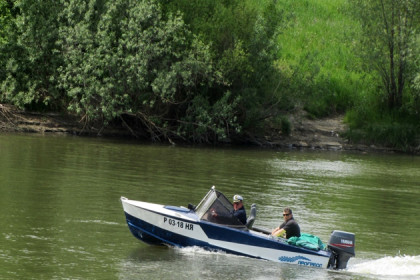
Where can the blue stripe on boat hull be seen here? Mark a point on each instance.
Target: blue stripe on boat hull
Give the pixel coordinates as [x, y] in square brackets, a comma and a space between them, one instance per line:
[144, 235]
[152, 234]
[244, 237]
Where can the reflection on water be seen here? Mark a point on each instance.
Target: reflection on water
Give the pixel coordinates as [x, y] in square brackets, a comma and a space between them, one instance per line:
[61, 217]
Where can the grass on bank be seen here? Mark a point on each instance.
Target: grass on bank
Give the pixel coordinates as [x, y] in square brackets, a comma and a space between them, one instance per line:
[317, 52]
[319, 55]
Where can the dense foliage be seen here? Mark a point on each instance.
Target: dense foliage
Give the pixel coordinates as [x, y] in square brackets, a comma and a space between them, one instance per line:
[389, 29]
[140, 63]
[390, 50]
[129, 61]
[5, 19]
[213, 70]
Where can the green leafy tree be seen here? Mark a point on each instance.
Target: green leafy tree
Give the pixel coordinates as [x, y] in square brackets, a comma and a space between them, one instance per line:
[5, 26]
[29, 56]
[389, 30]
[131, 63]
[242, 35]
[415, 77]
[5, 20]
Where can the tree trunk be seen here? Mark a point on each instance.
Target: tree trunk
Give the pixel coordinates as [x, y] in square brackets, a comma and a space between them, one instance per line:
[391, 44]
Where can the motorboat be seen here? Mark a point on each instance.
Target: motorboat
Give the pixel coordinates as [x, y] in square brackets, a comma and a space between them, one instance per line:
[211, 225]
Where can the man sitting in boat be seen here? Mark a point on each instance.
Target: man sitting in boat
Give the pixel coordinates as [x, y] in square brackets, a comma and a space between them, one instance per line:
[238, 208]
[216, 208]
[289, 227]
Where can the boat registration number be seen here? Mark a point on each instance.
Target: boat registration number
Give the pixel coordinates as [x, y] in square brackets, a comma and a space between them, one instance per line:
[178, 224]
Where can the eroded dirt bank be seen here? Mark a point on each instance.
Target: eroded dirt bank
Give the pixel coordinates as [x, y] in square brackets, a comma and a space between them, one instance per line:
[320, 134]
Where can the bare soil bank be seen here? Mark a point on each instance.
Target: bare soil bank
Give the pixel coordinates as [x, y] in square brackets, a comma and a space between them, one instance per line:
[320, 134]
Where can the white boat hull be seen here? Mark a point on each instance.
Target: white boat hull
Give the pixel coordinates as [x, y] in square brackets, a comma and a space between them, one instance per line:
[176, 226]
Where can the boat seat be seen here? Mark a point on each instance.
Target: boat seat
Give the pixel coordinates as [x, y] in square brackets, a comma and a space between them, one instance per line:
[252, 216]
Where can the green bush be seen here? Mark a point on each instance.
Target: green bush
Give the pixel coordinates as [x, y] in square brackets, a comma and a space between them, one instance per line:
[396, 135]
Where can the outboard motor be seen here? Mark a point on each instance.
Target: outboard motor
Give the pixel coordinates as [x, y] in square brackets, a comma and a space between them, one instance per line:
[341, 245]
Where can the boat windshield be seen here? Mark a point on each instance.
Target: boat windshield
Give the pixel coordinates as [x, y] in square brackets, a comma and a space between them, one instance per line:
[216, 208]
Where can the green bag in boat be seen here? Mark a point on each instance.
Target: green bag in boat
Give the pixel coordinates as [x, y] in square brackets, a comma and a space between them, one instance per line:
[307, 241]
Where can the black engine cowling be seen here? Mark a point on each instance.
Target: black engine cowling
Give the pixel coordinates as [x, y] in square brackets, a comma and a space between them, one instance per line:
[341, 245]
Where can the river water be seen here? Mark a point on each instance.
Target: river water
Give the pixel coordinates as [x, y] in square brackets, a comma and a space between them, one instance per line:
[61, 218]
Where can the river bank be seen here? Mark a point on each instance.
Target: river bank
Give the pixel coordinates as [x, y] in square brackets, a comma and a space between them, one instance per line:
[306, 133]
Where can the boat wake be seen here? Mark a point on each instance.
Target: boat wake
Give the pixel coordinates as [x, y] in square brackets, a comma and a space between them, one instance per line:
[102, 222]
[402, 266]
[191, 251]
